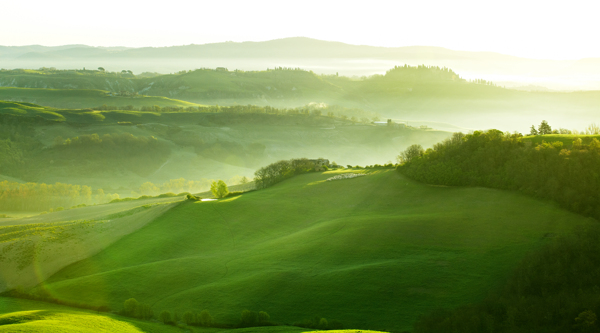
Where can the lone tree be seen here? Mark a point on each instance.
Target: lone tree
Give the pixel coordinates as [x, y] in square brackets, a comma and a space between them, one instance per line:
[130, 306]
[206, 319]
[263, 317]
[249, 318]
[544, 128]
[219, 189]
[533, 131]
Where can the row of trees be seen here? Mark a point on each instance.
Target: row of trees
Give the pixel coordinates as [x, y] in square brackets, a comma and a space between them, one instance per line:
[314, 109]
[566, 174]
[42, 197]
[545, 128]
[133, 308]
[276, 172]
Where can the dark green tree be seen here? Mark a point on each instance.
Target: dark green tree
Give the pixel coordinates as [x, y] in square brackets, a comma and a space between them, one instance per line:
[263, 317]
[165, 317]
[206, 319]
[130, 306]
[544, 128]
[533, 131]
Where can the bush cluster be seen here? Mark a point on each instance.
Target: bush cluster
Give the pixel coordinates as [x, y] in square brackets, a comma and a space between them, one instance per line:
[279, 171]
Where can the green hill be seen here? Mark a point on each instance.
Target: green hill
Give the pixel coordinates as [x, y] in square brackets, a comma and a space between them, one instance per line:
[84, 98]
[419, 93]
[124, 149]
[373, 252]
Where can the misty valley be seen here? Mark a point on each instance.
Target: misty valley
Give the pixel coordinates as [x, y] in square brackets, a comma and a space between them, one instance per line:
[152, 198]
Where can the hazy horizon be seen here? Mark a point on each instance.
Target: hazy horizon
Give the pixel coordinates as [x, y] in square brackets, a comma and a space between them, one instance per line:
[520, 29]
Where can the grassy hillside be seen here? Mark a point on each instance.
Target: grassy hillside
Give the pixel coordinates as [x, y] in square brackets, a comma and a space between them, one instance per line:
[34, 248]
[84, 98]
[373, 252]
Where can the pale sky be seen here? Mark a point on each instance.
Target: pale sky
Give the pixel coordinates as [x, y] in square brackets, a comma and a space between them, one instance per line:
[533, 29]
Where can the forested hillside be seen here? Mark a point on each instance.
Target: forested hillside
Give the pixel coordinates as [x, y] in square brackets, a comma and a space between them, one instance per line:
[565, 173]
[556, 289]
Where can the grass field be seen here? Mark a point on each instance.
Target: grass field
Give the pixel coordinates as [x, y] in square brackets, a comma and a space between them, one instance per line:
[373, 252]
[34, 248]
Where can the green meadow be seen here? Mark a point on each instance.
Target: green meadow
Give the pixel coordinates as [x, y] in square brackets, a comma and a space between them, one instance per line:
[373, 252]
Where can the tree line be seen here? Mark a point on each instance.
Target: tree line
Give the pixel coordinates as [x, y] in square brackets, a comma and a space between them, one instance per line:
[43, 197]
[314, 109]
[564, 173]
[279, 171]
[133, 308]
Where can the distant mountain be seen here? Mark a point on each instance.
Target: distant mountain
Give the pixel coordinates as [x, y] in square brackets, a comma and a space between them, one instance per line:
[296, 47]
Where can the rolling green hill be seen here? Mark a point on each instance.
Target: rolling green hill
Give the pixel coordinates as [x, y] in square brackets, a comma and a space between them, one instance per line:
[124, 149]
[373, 252]
[84, 98]
[408, 93]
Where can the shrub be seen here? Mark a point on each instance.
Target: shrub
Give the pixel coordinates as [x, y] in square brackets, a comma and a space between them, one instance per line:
[192, 197]
[165, 317]
[249, 318]
[234, 194]
[130, 306]
[263, 317]
[205, 319]
[323, 324]
[349, 166]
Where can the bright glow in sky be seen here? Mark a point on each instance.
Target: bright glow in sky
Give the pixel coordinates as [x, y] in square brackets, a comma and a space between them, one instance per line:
[534, 29]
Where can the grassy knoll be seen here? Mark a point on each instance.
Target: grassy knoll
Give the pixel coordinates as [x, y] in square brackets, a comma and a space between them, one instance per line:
[373, 252]
[34, 248]
[84, 98]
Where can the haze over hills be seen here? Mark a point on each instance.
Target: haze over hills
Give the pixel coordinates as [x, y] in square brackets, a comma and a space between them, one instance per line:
[420, 95]
[320, 56]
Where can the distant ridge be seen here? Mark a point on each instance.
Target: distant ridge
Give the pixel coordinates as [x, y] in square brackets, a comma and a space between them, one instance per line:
[293, 47]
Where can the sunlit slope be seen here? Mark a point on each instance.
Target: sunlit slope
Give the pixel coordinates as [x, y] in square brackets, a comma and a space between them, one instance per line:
[28, 316]
[84, 98]
[373, 252]
[17, 315]
[34, 248]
